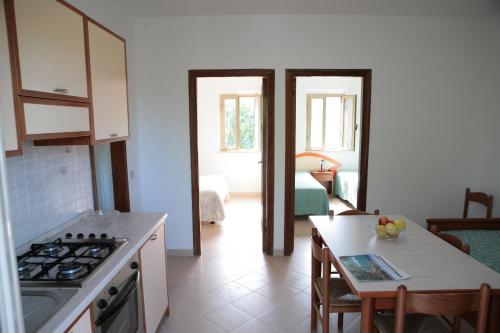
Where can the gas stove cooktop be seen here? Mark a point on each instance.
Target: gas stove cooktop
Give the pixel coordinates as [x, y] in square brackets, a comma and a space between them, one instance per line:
[65, 263]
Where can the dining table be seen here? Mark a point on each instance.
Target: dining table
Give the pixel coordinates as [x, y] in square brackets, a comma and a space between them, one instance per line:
[432, 264]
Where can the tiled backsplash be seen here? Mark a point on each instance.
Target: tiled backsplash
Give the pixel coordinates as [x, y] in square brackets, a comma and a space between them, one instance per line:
[47, 187]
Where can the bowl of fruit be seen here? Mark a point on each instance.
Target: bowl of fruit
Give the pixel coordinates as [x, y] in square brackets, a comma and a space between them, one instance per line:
[387, 228]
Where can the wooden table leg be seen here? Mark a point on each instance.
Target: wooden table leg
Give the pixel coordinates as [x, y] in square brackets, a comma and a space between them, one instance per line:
[367, 309]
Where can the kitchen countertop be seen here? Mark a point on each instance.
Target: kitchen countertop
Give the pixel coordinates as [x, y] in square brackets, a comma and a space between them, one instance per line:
[136, 227]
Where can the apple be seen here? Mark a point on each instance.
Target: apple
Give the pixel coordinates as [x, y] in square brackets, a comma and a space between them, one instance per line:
[383, 220]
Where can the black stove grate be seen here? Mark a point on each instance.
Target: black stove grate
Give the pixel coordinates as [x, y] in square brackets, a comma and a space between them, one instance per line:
[44, 265]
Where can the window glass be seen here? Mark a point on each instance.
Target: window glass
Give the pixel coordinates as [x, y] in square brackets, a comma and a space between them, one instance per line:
[247, 122]
[316, 123]
[332, 123]
[230, 123]
[349, 112]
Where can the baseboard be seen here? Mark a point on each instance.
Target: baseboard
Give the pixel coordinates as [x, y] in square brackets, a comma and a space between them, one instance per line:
[244, 194]
[278, 252]
[180, 252]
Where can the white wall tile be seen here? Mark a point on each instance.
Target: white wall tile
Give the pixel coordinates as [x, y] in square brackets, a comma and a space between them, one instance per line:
[47, 187]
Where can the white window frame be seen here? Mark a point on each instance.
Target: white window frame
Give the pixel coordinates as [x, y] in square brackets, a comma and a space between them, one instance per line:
[344, 146]
[258, 127]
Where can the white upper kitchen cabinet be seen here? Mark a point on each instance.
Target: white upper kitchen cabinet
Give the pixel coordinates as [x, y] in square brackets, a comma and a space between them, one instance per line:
[154, 279]
[54, 119]
[51, 46]
[108, 67]
[8, 115]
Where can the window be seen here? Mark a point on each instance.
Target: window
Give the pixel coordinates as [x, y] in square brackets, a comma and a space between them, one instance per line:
[239, 122]
[331, 122]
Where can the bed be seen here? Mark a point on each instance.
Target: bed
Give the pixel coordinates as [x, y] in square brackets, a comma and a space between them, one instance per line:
[311, 197]
[213, 192]
[481, 234]
[346, 186]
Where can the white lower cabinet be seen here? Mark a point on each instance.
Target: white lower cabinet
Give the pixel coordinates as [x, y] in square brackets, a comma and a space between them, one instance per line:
[83, 324]
[154, 279]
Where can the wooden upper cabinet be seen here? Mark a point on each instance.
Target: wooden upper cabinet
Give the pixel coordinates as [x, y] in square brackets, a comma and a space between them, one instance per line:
[51, 48]
[9, 122]
[108, 68]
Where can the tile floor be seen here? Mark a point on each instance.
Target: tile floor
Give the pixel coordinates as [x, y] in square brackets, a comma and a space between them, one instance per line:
[233, 287]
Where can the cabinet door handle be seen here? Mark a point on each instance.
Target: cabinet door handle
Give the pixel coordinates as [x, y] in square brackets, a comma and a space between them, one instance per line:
[61, 90]
[113, 135]
[154, 237]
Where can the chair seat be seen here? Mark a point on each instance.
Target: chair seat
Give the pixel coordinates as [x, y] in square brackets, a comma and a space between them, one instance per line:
[339, 293]
[414, 323]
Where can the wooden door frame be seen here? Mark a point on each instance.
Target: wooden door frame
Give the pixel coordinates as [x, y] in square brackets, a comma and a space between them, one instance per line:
[290, 124]
[267, 149]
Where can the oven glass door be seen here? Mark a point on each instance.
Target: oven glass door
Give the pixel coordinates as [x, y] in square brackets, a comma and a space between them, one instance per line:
[122, 315]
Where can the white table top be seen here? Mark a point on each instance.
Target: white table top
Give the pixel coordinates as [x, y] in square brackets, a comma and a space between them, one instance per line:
[433, 264]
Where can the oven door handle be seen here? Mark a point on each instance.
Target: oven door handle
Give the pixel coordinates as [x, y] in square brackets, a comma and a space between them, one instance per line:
[123, 296]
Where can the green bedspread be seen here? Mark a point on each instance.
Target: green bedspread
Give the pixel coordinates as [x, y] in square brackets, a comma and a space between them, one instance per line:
[311, 197]
[484, 245]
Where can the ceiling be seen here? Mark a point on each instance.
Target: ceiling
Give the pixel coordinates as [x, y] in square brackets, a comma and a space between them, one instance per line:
[444, 8]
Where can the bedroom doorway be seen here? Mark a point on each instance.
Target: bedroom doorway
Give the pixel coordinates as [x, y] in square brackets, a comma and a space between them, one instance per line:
[326, 155]
[231, 115]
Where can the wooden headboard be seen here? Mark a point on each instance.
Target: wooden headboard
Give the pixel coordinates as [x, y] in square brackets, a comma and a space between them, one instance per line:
[336, 164]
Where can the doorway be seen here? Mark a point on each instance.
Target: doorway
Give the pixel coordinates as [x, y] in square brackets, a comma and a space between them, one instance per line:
[326, 94]
[231, 142]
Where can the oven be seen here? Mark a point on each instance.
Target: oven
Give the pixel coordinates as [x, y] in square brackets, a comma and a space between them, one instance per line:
[118, 307]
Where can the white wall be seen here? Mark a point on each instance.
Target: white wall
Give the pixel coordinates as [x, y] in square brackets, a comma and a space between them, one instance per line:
[326, 85]
[434, 102]
[487, 152]
[241, 170]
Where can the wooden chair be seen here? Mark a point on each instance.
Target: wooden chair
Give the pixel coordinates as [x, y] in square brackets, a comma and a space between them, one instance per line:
[328, 294]
[479, 197]
[359, 212]
[453, 240]
[416, 309]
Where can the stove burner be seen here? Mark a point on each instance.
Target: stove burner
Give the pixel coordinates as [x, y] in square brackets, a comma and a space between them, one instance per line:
[22, 267]
[51, 248]
[94, 249]
[70, 268]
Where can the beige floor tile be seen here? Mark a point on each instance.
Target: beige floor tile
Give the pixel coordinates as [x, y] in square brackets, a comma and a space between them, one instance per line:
[185, 321]
[253, 281]
[281, 317]
[234, 272]
[231, 291]
[228, 317]
[234, 287]
[205, 304]
[277, 291]
[255, 304]
[255, 326]
[297, 280]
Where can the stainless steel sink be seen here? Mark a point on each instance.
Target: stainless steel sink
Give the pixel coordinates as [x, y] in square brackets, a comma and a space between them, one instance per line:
[39, 305]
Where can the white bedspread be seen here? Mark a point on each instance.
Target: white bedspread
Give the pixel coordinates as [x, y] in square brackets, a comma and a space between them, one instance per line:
[213, 192]
[346, 186]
